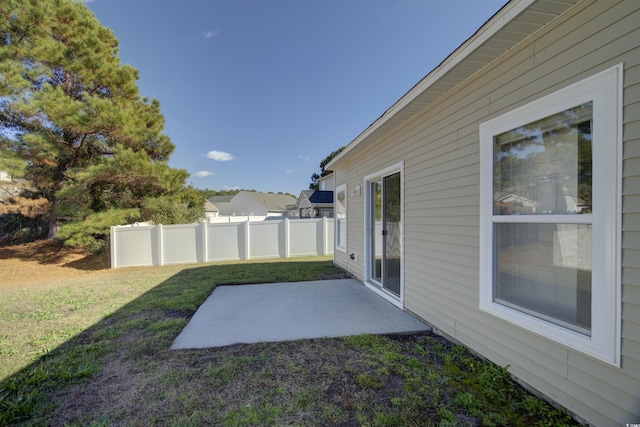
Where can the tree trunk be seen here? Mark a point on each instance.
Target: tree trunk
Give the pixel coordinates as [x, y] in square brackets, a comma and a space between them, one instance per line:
[53, 221]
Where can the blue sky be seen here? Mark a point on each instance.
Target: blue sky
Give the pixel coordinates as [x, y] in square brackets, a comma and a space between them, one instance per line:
[256, 93]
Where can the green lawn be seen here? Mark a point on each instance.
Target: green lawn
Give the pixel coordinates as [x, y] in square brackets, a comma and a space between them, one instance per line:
[95, 351]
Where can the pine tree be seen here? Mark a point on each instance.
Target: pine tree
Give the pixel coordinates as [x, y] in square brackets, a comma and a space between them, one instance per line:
[73, 114]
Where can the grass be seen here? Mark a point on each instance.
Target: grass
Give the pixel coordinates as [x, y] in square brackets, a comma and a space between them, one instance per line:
[94, 350]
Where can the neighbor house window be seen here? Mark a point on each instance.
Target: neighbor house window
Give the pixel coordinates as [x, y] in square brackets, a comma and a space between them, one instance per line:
[550, 217]
[340, 207]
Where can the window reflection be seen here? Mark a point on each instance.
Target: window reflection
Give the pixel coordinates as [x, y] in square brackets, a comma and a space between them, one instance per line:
[341, 217]
[545, 167]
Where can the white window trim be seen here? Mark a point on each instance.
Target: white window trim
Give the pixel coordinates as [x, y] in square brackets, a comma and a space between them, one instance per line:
[341, 246]
[605, 90]
[398, 301]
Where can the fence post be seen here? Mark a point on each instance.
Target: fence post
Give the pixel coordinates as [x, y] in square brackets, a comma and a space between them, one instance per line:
[203, 224]
[160, 244]
[112, 240]
[287, 237]
[247, 240]
[325, 239]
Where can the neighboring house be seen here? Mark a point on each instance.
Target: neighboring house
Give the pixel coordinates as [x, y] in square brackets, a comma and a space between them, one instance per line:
[314, 204]
[540, 108]
[9, 186]
[513, 203]
[251, 203]
[325, 183]
[210, 210]
[221, 203]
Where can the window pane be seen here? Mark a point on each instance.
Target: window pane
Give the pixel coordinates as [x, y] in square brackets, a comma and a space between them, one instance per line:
[341, 232]
[544, 168]
[376, 230]
[391, 233]
[545, 270]
[341, 217]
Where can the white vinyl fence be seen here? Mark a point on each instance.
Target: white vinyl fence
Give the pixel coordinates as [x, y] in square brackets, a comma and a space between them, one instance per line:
[203, 242]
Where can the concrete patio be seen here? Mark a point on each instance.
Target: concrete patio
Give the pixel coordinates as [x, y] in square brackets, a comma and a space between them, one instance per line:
[289, 311]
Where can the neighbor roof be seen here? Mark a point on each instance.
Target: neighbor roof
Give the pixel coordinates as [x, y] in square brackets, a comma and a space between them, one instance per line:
[321, 197]
[512, 24]
[210, 207]
[273, 202]
[221, 199]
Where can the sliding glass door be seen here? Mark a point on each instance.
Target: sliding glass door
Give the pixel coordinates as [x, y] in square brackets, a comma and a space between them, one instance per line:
[385, 232]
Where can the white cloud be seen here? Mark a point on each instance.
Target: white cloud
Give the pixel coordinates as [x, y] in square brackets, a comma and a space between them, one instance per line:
[305, 157]
[220, 156]
[226, 187]
[288, 171]
[202, 174]
[209, 34]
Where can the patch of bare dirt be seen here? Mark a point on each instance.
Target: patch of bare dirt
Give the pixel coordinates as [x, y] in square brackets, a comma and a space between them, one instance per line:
[46, 260]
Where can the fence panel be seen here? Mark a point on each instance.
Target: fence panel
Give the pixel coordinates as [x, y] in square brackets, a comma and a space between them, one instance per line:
[226, 242]
[189, 243]
[228, 219]
[304, 237]
[330, 236]
[135, 246]
[182, 243]
[266, 239]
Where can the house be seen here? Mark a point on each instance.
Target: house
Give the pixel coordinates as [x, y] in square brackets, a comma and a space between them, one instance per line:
[252, 203]
[314, 204]
[210, 210]
[325, 183]
[540, 108]
[9, 186]
[221, 203]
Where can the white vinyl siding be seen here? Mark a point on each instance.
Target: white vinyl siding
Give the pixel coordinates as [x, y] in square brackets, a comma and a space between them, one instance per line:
[355, 238]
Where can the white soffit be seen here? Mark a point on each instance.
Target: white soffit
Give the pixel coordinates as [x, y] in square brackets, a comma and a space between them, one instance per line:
[516, 21]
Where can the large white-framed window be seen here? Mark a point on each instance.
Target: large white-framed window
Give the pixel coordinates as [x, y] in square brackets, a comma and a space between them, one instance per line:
[340, 206]
[550, 215]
